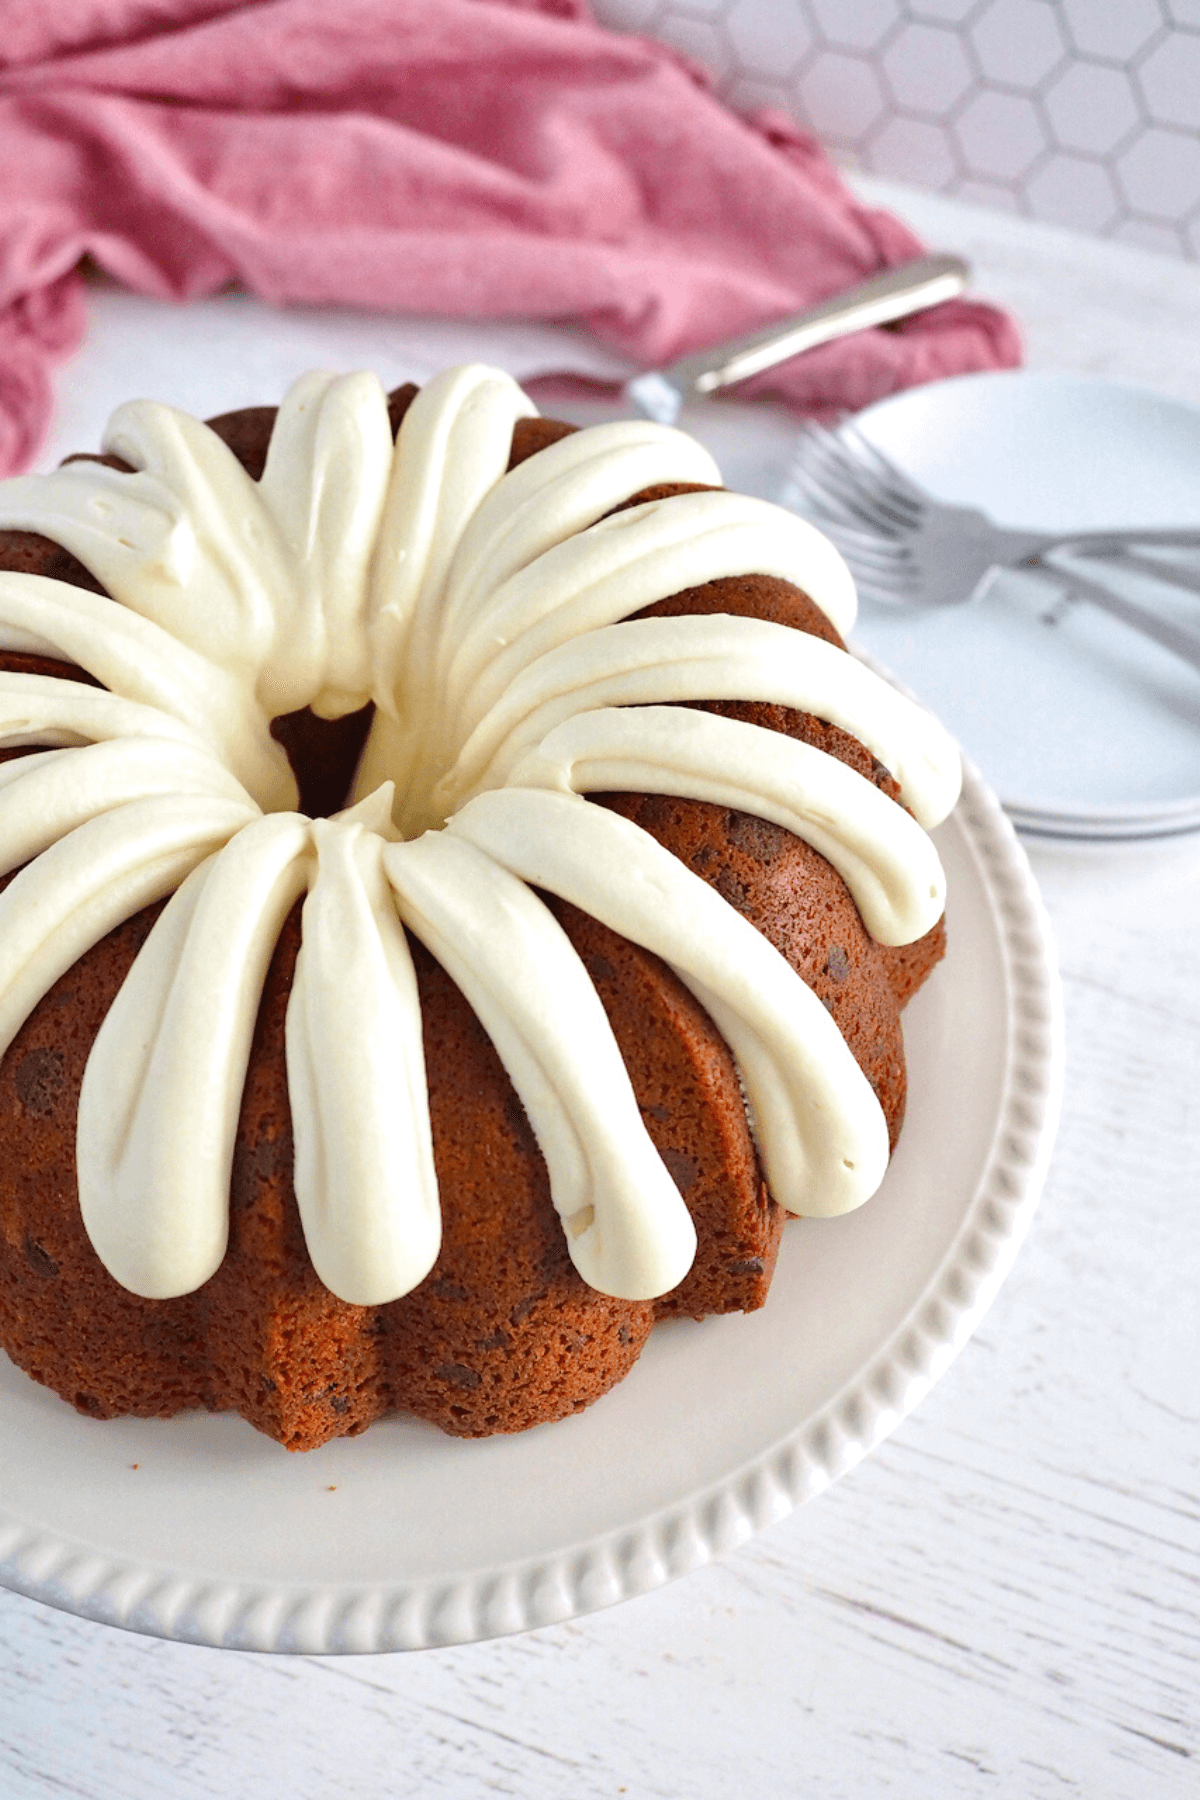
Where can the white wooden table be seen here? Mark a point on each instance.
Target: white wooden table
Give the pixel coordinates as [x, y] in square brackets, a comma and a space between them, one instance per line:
[1003, 1600]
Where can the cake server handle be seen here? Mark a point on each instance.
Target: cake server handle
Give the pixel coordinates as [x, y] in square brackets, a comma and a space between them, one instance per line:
[894, 294]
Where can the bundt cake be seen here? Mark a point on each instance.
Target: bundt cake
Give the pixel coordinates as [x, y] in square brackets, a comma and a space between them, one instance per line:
[458, 893]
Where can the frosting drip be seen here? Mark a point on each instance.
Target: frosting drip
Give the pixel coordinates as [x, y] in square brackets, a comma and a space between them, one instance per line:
[486, 614]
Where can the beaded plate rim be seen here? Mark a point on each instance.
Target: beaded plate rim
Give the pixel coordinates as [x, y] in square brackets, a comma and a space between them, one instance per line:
[312, 1619]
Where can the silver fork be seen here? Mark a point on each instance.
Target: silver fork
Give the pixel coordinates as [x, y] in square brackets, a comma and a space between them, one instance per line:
[903, 545]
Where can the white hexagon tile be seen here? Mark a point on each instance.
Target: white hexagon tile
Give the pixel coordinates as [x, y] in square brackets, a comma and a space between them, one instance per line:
[1081, 112]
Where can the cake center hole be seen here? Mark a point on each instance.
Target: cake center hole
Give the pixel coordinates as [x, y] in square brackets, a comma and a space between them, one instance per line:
[324, 754]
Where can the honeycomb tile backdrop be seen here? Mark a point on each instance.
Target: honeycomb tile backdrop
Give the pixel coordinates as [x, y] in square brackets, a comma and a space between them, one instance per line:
[1080, 112]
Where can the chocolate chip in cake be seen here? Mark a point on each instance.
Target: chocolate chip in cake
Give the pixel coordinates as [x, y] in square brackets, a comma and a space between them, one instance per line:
[760, 839]
[654, 809]
[449, 1290]
[458, 1375]
[523, 1308]
[837, 964]
[39, 1260]
[734, 891]
[682, 1169]
[38, 1080]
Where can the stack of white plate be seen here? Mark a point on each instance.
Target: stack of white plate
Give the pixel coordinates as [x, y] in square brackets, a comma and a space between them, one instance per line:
[1085, 727]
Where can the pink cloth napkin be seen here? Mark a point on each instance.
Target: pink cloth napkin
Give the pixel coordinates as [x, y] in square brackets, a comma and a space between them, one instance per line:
[467, 157]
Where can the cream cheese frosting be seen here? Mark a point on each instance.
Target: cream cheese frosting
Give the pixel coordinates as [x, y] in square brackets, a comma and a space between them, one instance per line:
[487, 615]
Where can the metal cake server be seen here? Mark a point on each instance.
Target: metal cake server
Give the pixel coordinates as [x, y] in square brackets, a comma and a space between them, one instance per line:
[895, 294]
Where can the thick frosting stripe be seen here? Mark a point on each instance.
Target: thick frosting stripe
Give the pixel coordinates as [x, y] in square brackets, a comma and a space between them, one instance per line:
[54, 799]
[565, 488]
[451, 452]
[879, 850]
[17, 767]
[592, 580]
[149, 537]
[627, 562]
[324, 485]
[282, 563]
[137, 660]
[158, 1110]
[628, 1231]
[44, 709]
[820, 1128]
[365, 1179]
[706, 657]
[94, 879]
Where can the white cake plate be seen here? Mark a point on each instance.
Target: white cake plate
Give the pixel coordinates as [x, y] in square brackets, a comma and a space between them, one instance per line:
[200, 1529]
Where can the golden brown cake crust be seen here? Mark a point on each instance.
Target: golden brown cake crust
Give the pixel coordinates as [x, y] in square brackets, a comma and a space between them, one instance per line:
[503, 1334]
